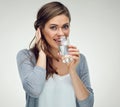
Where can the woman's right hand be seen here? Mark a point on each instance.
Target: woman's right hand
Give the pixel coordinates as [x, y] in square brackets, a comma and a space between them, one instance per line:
[41, 61]
[38, 38]
[37, 35]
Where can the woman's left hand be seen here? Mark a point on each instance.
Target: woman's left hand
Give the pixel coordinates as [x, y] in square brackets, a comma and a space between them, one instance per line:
[75, 54]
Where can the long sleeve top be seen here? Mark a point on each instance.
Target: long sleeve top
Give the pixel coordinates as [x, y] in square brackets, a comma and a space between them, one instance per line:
[33, 78]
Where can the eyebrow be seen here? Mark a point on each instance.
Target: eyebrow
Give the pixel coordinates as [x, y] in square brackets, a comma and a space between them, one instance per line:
[53, 25]
[57, 25]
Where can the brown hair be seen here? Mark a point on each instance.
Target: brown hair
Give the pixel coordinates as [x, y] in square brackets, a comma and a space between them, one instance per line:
[47, 12]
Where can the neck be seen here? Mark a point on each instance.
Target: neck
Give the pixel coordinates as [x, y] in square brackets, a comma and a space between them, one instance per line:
[56, 54]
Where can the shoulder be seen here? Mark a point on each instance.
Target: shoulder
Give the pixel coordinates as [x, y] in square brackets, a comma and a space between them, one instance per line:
[82, 67]
[82, 58]
[23, 54]
[83, 62]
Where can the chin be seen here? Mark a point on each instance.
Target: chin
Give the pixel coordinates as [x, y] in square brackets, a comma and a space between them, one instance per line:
[56, 47]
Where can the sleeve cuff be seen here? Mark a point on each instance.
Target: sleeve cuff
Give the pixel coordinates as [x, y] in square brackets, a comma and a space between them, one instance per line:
[88, 102]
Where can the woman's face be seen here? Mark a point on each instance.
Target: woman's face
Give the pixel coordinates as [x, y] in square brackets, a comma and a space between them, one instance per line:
[55, 28]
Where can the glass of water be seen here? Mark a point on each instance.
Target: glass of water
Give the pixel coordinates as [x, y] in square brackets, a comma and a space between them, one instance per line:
[63, 48]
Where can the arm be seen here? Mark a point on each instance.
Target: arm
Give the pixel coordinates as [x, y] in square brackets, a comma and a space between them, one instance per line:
[41, 60]
[83, 88]
[32, 76]
[79, 73]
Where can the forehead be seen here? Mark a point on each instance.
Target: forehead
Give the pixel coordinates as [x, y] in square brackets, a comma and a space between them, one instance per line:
[58, 20]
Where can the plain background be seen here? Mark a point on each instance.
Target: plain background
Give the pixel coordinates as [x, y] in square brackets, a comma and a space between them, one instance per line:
[95, 30]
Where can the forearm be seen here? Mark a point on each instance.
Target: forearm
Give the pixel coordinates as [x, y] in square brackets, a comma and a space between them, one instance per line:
[30, 74]
[81, 83]
[33, 83]
[41, 61]
[81, 91]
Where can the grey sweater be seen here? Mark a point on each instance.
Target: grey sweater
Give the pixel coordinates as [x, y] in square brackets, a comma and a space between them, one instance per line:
[33, 78]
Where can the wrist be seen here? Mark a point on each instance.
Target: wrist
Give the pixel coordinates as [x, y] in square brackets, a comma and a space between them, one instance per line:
[41, 53]
[72, 69]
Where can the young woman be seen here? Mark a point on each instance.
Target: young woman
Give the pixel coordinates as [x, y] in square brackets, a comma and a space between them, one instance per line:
[47, 81]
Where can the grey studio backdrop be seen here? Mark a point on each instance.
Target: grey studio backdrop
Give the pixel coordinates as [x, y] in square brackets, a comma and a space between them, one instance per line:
[94, 30]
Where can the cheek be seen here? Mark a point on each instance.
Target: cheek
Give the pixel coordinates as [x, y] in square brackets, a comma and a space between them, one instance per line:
[49, 36]
[67, 32]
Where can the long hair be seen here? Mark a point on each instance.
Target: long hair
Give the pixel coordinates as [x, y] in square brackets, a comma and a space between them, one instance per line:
[45, 13]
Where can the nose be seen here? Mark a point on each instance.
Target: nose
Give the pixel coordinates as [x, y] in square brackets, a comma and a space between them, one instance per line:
[60, 32]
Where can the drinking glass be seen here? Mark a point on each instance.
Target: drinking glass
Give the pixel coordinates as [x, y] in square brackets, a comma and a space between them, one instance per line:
[63, 49]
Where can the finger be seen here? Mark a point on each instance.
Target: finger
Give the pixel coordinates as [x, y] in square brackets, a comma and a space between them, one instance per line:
[74, 54]
[75, 59]
[74, 51]
[71, 46]
[37, 35]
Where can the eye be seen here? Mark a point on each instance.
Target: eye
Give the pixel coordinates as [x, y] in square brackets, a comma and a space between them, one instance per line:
[53, 27]
[66, 26]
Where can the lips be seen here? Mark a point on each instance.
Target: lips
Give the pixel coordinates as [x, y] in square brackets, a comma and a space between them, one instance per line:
[58, 41]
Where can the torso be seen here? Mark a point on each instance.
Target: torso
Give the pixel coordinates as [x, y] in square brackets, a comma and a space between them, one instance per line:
[58, 91]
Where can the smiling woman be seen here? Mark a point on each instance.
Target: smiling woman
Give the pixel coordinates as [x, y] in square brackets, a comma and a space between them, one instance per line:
[47, 81]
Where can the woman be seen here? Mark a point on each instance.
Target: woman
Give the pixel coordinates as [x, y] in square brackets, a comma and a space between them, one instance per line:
[47, 81]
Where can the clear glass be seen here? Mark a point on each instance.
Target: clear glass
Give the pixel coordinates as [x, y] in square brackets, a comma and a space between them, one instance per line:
[63, 48]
